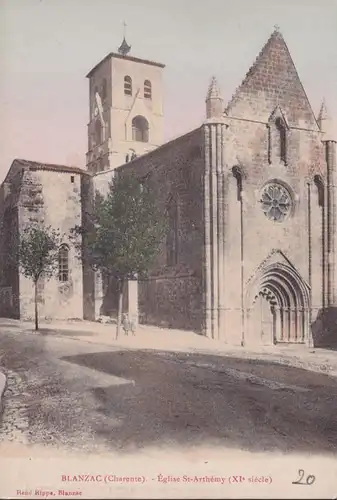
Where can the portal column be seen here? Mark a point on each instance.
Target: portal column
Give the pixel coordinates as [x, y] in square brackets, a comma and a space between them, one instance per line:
[278, 324]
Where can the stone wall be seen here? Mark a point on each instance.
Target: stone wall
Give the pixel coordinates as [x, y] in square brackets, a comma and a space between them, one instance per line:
[174, 302]
[173, 293]
[9, 242]
[120, 109]
[49, 195]
[271, 90]
[53, 198]
[87, 196]
[261, 236]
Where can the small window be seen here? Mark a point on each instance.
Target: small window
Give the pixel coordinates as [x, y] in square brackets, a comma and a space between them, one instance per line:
[72, 179]
[63, 259]
[127, 85]
[140, 129]
[147, 89]
[320, 189]
[282, 140]
[237, 174]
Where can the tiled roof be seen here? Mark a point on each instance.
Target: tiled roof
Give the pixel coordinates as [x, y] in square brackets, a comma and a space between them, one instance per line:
[20, 164]
[34, 165]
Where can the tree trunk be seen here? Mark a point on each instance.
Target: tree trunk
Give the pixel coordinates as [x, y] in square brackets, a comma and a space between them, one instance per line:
[120, 307]
[36, 311]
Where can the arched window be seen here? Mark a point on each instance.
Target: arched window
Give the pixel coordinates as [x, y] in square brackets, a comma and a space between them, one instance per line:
[127, 85]
[282, 140]
[172, 240]
[98, 132]
[320, 189]
[147, 89]
[140, 129]
[104, 89]
[238, 176]
[63, 263]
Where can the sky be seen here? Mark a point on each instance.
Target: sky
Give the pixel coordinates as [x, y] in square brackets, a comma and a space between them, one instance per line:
[48, 46]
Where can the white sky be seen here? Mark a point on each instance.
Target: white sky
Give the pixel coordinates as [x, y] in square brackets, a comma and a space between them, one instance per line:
[48, 46]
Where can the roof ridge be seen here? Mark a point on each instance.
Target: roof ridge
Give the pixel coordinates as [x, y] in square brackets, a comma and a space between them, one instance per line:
[252, 66]
[46, 164]
[38, 165]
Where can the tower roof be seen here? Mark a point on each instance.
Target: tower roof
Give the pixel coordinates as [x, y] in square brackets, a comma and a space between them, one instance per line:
[213, 90]
[124, 48]
[273, 81]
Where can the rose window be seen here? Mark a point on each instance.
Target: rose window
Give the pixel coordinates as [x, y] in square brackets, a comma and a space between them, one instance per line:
[276, 202]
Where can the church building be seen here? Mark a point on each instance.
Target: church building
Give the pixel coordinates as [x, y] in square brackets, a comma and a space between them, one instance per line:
[251, 197]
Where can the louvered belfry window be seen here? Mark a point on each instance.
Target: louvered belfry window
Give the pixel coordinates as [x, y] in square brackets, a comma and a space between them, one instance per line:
[127, 85]
[147, 89]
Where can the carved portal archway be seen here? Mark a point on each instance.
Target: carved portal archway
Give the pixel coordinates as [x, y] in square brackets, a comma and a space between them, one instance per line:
[278, 307]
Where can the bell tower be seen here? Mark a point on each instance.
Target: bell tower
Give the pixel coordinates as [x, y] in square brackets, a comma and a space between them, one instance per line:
[125, 109]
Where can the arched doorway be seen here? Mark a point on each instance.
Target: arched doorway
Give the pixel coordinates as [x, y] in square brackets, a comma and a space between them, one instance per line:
[278, 310]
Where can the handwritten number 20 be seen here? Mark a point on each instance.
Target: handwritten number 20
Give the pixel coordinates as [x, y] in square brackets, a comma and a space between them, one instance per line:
[310, 479]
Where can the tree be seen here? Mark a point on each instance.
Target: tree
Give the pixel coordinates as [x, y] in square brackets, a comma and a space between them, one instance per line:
[124, 233]
[38, 254]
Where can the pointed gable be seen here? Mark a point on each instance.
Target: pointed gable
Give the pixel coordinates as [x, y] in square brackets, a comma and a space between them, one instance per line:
[274, 258]
[273, 81]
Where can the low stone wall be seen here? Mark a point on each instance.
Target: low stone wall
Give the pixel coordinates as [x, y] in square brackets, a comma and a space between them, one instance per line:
[172, 302]
[324, 328]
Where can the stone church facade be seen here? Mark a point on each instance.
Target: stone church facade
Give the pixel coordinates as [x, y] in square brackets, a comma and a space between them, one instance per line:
[251, 253]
